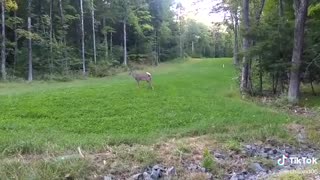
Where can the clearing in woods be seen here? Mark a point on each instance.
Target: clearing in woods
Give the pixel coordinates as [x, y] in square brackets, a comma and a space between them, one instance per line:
[42, 121]
[192, 98]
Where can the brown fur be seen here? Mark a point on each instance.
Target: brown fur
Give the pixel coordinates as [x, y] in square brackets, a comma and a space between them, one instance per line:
[142, 77]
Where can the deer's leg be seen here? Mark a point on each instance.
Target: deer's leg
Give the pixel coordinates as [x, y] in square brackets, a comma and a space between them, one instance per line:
[138, 84]
[150, 84]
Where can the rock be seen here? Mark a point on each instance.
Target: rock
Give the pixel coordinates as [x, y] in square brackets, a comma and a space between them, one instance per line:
[244, 173]
[267, 149]
[210, 176]
[147, 176]
[270, 152]
[275, 151]
[137, 177]
[171, 171]
[258, 143]
[272, 142]
[155, 175]
[157, 172]
[241, 177]
[251, 150]
[107, 178]
[264, 155]
[301, 138]
[289, 150]
[234, 177]
[219, 156]
[254, 148]
[256, 168]
[196, 168]
[304, 146]
[192, 167]
[312, 150]
[243, 153]
[227, 176]
[68, 177]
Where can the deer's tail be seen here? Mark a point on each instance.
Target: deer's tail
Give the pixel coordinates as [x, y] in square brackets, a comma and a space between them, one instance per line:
[149, 74]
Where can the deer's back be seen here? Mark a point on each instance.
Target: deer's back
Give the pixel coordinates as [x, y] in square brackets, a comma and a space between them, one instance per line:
[142, 77]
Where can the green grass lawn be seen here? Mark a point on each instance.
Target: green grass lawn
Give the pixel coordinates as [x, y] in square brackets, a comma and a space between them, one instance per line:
[191, 98]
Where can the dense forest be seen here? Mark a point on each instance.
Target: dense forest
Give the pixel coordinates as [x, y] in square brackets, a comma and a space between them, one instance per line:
[276, 45]
[42, 39]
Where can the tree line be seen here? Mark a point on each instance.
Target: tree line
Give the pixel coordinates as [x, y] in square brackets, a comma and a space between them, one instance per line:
[276, 45]
[41, 39]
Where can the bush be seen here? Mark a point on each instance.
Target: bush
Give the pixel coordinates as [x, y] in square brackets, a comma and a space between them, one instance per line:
[12, 78]
[104, 69]
[100, 69]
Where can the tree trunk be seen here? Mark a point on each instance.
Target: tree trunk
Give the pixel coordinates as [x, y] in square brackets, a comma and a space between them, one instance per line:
[156, 50]
[273, 83]
[192, 47]
[214, 45]
[180, 42]
[61, 13]
[236, 60]
[301, 8]
[259, 13]
[280, 25]
[30, 73]
[275, 90]
[64, 37]
[159, 51]
[3, 48]
[125, 58]
[260, 77]
[244, 84]
[51, 37]
[93, 33]
[105, 35]
[311, 84]
[111, 44]
[82, 40]
[281, 8]
[15, 54]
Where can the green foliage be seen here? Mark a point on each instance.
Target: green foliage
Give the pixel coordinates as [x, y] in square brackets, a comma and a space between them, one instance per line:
[104, 69]
[233, 145]
[207, 42]
[25, 34]
[11, 5]
[271, 47]
[314, 9]
[208, 162]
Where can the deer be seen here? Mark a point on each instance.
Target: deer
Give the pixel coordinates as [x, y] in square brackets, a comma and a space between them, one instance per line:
[142, 77]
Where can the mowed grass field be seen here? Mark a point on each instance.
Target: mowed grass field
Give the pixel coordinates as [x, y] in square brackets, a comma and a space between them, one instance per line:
[191, 98]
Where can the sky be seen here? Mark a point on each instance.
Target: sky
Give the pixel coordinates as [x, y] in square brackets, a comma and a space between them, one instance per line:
[201, 11]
